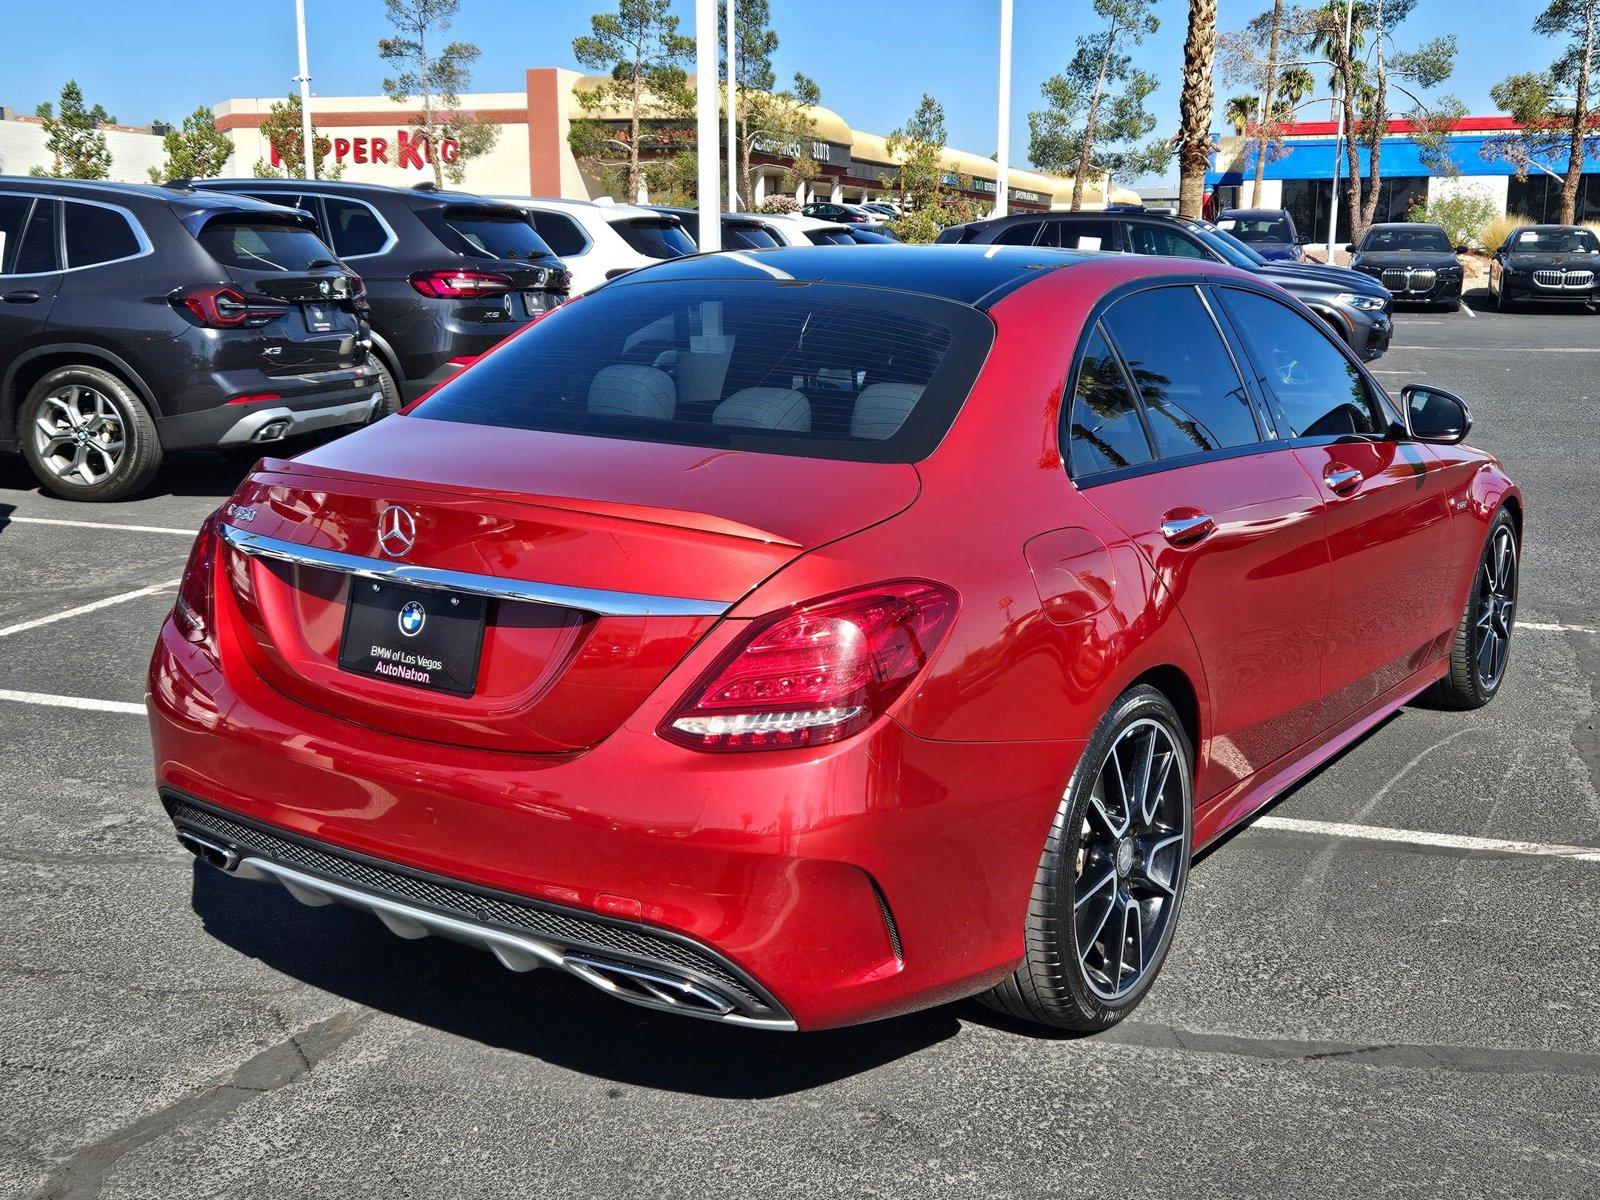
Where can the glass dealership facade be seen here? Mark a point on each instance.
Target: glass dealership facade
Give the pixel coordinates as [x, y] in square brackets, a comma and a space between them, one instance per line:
[1300, 179]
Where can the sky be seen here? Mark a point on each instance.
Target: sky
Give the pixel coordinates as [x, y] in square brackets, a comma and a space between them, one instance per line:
[158, 59]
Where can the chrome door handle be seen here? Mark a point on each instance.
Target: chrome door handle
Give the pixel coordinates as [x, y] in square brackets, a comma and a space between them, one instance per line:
[1341, 479]
[1182, 527]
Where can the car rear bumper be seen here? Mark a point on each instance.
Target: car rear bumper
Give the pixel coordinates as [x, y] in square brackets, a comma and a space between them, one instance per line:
[843, 884]
[271, 420]
[623, 958]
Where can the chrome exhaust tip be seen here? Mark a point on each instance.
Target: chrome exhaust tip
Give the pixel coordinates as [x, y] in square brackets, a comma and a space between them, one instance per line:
[222, 857]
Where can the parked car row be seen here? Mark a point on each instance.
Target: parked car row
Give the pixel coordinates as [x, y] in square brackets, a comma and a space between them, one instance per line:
[293, 305]
[1353, 304]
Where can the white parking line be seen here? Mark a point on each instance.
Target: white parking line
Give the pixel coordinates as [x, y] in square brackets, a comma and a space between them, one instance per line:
[1467, 308]
[188, 533]
[93, 606]
[1445, 841]
[1547, 627]
[114, 706]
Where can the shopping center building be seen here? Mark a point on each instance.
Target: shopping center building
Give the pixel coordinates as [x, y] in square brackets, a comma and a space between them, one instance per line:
[1301, 179]
[373, 140]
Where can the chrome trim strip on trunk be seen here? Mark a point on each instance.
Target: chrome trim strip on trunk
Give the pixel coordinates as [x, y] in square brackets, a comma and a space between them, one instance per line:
[603, 603]
[515, 951]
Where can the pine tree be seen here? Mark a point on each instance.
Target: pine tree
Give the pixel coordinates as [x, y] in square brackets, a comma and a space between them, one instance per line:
[77, 148]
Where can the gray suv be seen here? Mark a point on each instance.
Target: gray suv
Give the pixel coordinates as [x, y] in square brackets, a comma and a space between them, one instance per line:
[1356, 306]
[136, 320]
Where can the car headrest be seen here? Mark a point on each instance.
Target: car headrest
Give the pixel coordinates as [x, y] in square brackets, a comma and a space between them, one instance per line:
[882, 408]
[633, 390]
[765, 408]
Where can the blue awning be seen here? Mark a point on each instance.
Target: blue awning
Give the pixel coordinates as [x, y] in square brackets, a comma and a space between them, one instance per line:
[1312, 158]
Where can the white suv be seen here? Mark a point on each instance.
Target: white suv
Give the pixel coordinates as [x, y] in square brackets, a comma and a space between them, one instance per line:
[599, 240]
[795, 229]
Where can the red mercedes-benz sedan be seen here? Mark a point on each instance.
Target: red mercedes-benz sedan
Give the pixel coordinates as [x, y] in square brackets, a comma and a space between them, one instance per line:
[799, 638]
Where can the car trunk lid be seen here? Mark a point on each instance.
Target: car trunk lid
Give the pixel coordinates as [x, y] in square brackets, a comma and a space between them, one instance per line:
[662, 538]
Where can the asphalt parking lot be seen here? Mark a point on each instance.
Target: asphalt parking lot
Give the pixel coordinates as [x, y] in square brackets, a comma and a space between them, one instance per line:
[1406, 1007]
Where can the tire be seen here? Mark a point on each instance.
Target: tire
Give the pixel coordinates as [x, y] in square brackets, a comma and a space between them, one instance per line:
[68, 424]
[1490, 613]
[1058, 983]
[388, 387]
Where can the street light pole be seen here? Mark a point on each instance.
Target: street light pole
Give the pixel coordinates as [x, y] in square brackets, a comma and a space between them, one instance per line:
[708, 181]
[1338, 141]
[1001, 184]
[733, 104]
[307, 142]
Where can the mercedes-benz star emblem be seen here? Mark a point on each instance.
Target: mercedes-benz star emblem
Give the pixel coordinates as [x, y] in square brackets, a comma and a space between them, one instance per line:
[397, 531]
[412, 618]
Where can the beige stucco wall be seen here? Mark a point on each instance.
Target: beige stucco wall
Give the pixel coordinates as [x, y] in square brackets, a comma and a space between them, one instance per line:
[22, 147]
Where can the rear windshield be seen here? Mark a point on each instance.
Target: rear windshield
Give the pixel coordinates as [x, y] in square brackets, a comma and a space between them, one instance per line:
[747, 237]
[830, 237]
[816, 370]
[656, 239]
[496, 235]
[252, 244]
[1420, 239]
[1257, 230]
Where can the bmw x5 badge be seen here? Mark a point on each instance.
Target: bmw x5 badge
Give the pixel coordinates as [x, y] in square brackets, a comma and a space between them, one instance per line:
[412, 618]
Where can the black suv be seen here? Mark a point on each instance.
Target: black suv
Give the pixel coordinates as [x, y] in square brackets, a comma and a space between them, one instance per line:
[1354, 305]
[138, 319]
[447, 274]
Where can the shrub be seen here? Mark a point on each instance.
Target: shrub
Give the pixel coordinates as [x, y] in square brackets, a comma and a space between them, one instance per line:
[1494, 234]
[779, 204]
[1464, 216]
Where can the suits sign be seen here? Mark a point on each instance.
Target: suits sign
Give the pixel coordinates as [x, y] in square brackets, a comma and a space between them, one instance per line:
[408, 150]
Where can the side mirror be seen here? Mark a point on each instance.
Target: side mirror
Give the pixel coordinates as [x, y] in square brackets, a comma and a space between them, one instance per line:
[1349, 247]
[1303, 239]
[1434, 415]
[1463, 249]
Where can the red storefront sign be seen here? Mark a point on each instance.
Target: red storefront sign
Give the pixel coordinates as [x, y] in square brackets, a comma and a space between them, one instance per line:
[408, 150]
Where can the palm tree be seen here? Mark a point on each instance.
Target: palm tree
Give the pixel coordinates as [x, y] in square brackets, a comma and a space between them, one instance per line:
[1194, 107]
[1240, 113]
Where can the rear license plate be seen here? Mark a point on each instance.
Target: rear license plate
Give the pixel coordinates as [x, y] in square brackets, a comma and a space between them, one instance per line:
[537, 302]
[319, 318]
[414, 636]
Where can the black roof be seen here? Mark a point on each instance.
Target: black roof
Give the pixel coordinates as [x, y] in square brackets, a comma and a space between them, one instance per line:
[966, 274]
[123, 193]
[358, 191]
[1253, 212]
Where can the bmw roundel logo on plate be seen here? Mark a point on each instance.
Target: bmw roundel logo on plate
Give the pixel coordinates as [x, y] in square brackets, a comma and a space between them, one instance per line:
[412, 618]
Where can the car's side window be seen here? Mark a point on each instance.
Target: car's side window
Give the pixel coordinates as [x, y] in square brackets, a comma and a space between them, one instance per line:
[1077, 235]
[13, 212]
[1155, 239]
[353, 229]
[1105, 431]
[97, 235]
[560, 233]
[1317, 391]
[38, 252]
[1193, 396]
[1022, 233]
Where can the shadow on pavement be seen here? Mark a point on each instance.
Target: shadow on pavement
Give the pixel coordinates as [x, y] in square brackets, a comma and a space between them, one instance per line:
[543, 1014]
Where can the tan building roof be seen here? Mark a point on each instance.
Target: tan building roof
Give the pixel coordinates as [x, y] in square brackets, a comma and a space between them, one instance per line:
[873, 148]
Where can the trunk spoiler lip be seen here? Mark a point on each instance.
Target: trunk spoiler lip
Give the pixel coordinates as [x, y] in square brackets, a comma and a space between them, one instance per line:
[672, 518]
[602, 603]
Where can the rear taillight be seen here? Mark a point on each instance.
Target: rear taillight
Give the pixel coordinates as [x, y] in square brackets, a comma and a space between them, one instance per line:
[192, 614]
[461, 284]
[226, 307]
[815, 673]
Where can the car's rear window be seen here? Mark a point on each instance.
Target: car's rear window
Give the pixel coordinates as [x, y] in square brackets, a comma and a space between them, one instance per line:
[1257, 230]
[656, 239]
[816, 370]
[830, 237]
[253, 244]
[739, 236]
[495, 234]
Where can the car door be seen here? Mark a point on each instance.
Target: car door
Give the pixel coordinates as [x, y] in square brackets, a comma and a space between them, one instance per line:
[30, 271]
[1393, 560]
[1167, 441]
